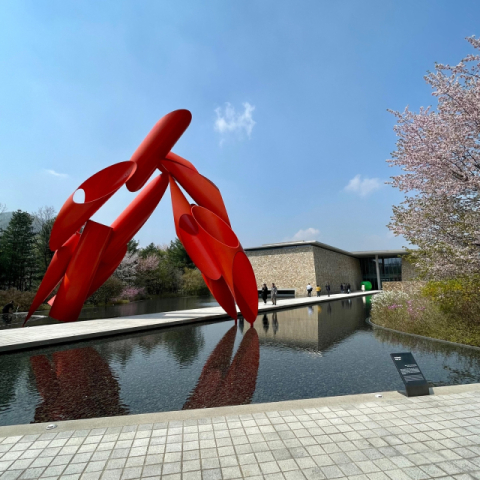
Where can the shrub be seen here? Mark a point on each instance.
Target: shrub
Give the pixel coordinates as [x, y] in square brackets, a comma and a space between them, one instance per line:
[193, 283]
[111, 289]
[22, 300]
[132, 293]
[446, 310]
[458, 298]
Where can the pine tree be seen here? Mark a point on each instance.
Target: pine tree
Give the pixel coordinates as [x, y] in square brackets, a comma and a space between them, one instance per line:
[17, 250]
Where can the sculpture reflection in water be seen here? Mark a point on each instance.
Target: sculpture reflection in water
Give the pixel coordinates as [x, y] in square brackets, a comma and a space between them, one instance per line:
[87, 252]
[224, 384]
[75, 384]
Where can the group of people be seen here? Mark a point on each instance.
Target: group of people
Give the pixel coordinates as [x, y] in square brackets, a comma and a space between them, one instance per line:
[318, 289]
[273, 293]
[344, 288]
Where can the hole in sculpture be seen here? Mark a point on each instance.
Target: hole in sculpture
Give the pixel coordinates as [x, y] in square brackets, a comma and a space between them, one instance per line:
[79, 196]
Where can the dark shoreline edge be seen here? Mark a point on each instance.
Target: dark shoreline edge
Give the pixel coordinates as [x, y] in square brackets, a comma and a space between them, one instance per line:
[374, 325]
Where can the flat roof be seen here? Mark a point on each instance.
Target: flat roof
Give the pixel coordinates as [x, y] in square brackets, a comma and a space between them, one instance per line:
[380, 253]
[302, 243]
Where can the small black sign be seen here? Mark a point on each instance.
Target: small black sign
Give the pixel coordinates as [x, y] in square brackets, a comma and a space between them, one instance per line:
[415, 383]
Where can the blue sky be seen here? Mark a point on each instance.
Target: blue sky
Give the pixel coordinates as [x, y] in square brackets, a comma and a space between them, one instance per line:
[289, 103]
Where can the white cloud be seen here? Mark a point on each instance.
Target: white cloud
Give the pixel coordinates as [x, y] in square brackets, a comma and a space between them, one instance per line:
[228, 121]
[307, 234]
[363, 187]
[56, 174]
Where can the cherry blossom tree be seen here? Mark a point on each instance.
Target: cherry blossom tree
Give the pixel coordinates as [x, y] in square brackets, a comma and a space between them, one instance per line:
[439, 152]
[127, 270]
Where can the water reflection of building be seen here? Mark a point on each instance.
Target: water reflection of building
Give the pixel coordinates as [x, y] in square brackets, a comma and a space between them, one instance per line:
[294, 264]
[75, 384]
[317, 330]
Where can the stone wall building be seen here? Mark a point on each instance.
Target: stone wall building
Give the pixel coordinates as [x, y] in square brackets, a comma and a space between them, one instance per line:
[293, 265]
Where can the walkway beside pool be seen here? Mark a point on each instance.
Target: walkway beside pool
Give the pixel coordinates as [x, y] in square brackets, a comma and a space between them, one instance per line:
[39, 336]
[361, 437]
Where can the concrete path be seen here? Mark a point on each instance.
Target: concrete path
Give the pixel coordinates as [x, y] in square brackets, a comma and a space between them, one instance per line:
[30, 337]
[359, 437]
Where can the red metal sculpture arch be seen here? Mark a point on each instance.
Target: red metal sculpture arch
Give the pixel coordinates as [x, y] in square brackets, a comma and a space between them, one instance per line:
[87, 253]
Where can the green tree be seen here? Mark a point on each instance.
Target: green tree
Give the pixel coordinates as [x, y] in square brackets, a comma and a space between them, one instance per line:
[151, 249]
[43, 222]
[17, 251]
[132, 246]
[178, 256]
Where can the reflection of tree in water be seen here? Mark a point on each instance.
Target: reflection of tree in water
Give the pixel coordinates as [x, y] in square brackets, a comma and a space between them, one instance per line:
[184, 344]
[75, 384]
[462, 364]
[14, 369]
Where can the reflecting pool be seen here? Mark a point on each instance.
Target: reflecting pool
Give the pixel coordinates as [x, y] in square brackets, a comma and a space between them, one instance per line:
[316, 351]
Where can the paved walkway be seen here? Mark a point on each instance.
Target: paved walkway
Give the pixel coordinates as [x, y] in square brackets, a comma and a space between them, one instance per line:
[361, 437]
[30, 337]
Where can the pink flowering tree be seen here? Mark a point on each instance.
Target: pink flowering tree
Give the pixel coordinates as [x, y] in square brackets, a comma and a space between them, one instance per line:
[438, 149]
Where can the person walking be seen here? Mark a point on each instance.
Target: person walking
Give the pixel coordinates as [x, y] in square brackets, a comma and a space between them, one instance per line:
[348, 288]
[273, 294]
[309, 290]
[319, 289]
[341, 288]
[264, 293]
[327, 288]
[6, 315]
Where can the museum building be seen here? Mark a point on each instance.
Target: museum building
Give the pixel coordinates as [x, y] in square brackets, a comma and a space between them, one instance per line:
[292, 265]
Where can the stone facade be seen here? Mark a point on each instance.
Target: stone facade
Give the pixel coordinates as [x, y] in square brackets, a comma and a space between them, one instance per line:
[288, 267]
[295, 266]
[336, 268]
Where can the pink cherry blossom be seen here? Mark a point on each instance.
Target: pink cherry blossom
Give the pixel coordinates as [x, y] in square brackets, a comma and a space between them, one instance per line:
[439, 152]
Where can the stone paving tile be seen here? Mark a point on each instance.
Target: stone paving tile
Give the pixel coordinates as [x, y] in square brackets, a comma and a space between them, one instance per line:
[406, 439]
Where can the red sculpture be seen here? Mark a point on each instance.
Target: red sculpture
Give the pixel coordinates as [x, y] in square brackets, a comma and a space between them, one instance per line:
[85, 257]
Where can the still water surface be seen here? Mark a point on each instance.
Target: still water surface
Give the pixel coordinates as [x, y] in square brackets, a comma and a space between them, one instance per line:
[307, 352]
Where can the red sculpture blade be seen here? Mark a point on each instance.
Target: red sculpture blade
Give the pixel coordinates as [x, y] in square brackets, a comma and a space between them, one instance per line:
[201, 189]
[80, 272]
[55, 271]
[219, 289]
[98, 189]
[178, 159]
[163, 136]
[190, 236]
